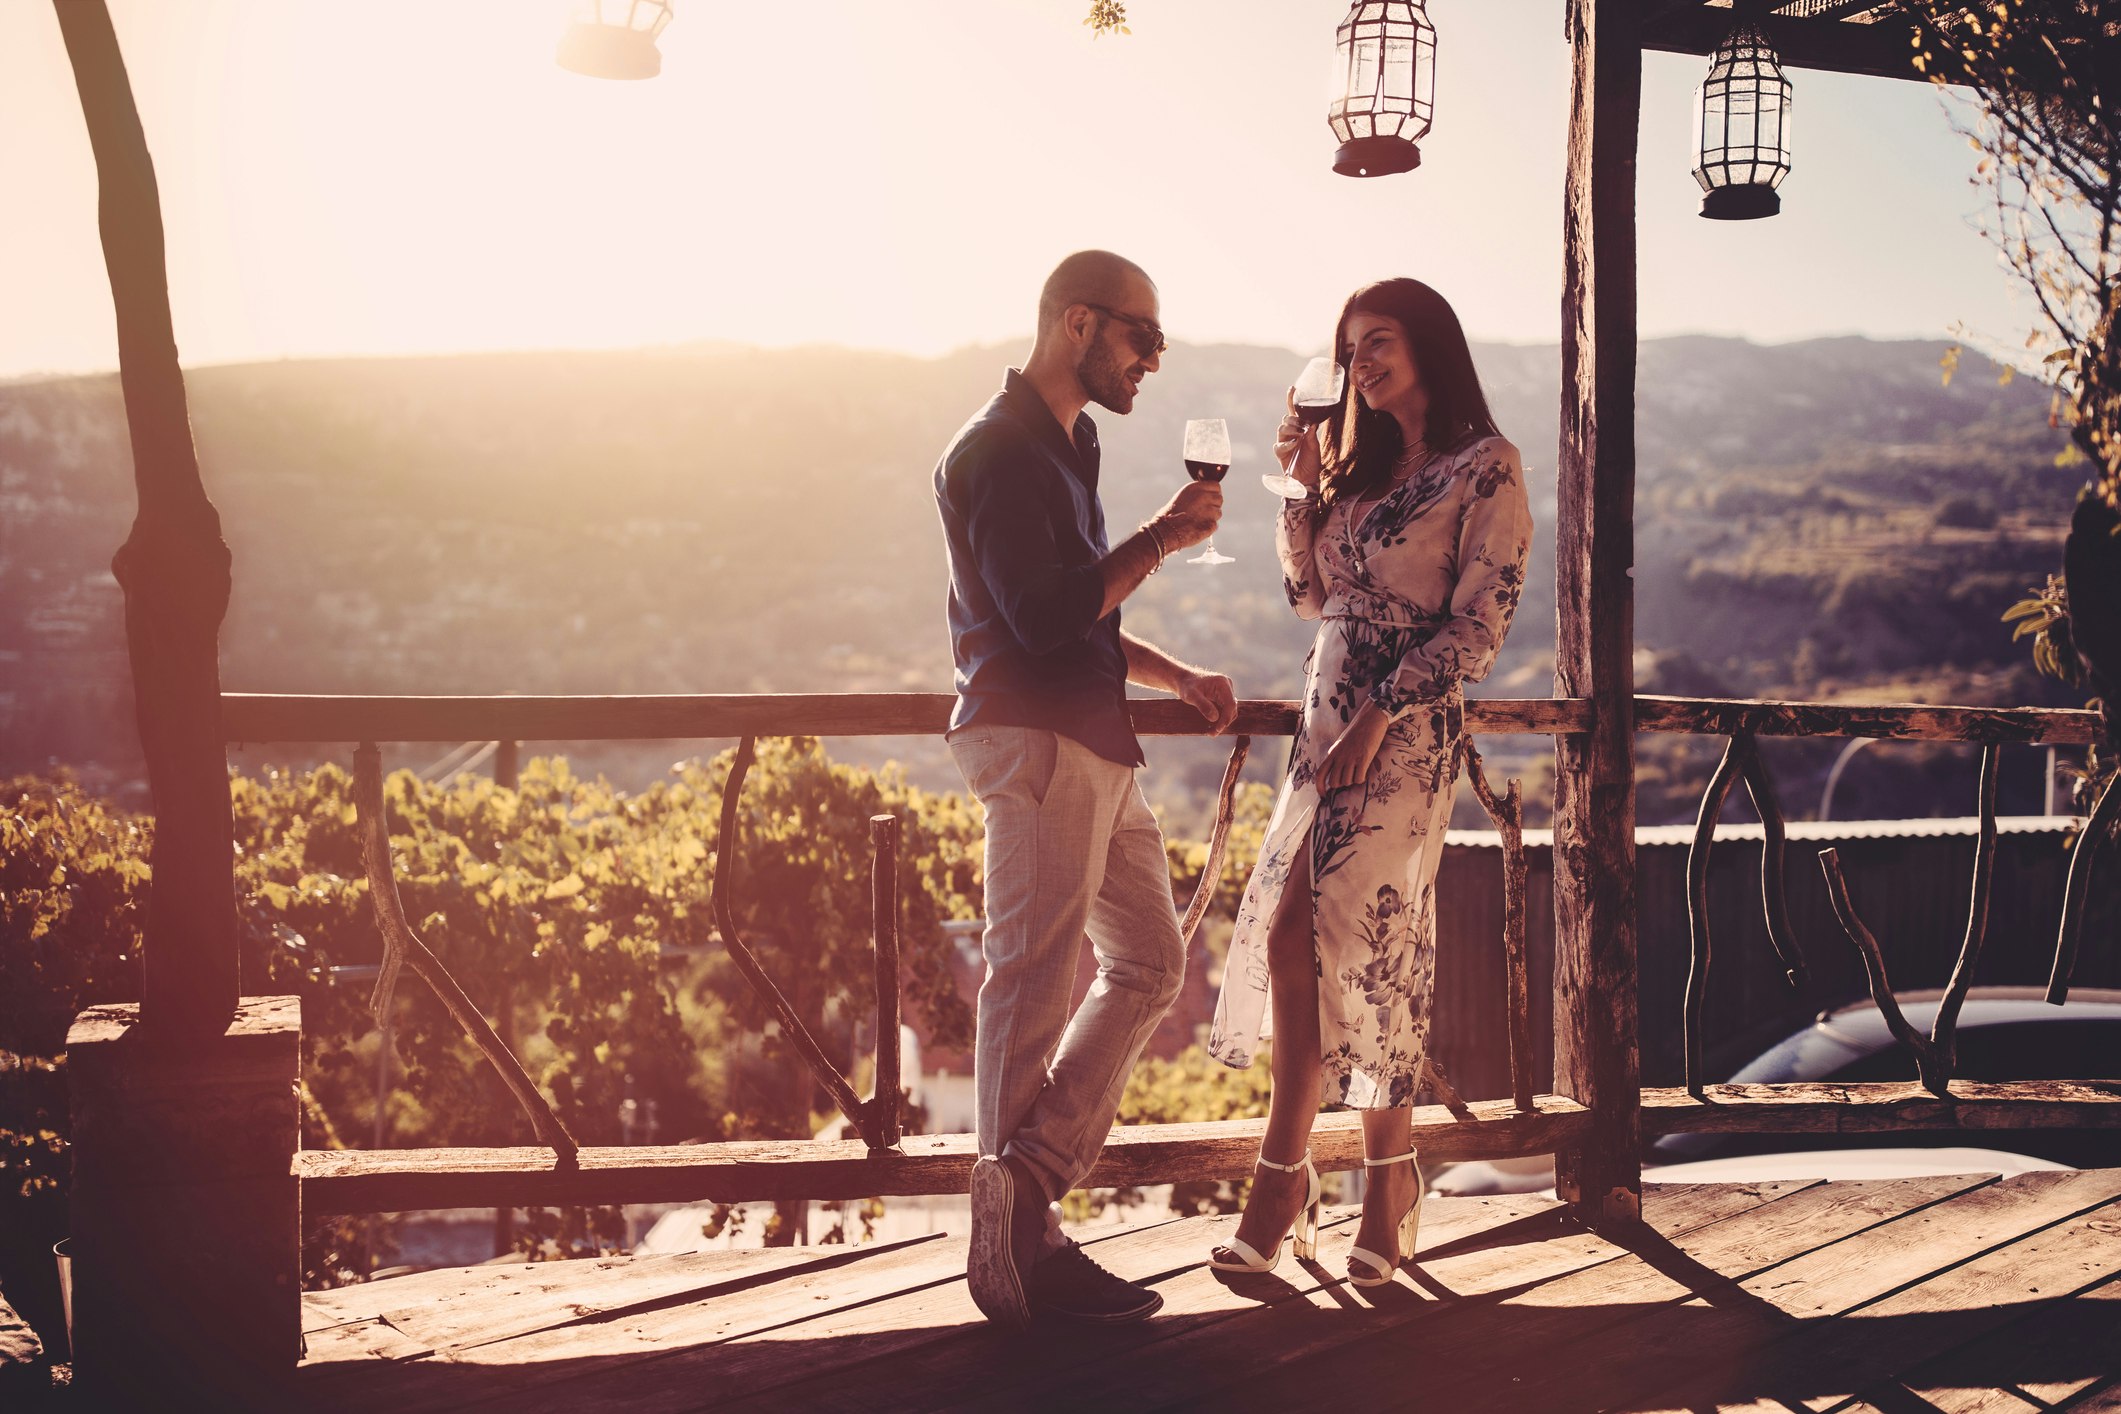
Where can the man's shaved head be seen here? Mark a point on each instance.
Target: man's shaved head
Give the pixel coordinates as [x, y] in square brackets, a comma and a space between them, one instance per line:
[1089, 277]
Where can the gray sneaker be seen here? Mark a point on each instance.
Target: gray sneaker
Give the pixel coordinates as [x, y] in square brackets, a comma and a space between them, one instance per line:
[1008, 1224]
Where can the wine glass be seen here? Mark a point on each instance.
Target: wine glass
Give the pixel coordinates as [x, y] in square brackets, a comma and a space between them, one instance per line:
[1208, 459]
[1318, 392]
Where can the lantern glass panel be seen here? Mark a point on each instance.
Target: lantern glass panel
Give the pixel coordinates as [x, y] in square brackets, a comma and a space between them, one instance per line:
[1742, 124]
[1384, 86]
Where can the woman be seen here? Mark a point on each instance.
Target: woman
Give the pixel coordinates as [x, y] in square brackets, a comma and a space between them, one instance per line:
[1411, 550]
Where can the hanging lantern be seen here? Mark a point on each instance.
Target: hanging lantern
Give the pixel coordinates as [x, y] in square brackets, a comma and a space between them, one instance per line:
[1742, 128]
[1385, 87]
[615, 39]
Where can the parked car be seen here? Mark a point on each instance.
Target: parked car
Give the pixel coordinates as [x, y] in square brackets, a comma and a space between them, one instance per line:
[2005, 1033]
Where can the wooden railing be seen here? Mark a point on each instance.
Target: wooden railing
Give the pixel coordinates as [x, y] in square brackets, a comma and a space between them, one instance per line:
[885, 1163]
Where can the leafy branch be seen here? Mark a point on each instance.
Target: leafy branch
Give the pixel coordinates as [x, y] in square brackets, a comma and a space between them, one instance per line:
[1107, 17]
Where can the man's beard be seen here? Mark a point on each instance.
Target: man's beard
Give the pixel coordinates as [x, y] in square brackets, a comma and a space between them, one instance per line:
[1104, 380]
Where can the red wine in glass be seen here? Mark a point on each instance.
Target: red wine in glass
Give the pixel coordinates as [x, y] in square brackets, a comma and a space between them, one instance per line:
[1317, 393]
[1207, 457]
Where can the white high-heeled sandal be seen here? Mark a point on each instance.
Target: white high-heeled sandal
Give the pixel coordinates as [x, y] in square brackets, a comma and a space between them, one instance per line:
[1409, 1228]
[1304, 1230]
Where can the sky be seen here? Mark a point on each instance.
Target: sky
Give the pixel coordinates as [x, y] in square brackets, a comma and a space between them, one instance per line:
[419, 176]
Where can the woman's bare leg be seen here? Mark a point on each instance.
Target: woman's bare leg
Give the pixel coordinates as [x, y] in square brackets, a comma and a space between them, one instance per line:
[1292, 964]
[1390, 1191]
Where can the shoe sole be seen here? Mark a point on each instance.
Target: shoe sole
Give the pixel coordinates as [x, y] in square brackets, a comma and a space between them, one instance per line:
[990, 1261]
[1147, 1309]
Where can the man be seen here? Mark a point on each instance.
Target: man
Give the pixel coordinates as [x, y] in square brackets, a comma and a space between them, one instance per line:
[1042, 735]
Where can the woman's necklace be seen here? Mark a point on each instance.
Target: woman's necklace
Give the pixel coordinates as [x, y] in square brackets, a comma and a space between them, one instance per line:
[1408, 462]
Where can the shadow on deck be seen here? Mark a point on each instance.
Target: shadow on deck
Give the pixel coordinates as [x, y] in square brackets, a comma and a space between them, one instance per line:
[1950, 1293]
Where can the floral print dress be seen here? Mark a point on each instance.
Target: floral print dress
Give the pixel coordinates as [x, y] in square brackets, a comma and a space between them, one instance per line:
[1414, 593]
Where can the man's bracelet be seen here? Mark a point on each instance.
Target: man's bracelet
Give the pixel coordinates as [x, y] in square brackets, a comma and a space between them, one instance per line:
[1149, 529]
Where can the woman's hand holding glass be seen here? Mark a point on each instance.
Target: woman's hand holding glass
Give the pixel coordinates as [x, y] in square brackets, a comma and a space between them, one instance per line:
[1296, 448]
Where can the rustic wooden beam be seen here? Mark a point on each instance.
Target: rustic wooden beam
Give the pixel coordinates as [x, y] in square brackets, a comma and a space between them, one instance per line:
[173, 568]
[883, 1125]
[395, 1180]
[1898, 721]
[1832, 46]
[251, 718]
[1218, 841]
[1971, 1106]
[1595, 1028]
[182, 1164]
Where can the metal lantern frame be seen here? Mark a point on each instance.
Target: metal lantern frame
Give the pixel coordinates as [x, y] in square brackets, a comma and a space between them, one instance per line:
[615, 39]
[1742, 127]
[1386, 100]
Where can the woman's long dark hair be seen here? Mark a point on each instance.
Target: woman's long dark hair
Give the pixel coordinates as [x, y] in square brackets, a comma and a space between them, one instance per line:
[1362, 446]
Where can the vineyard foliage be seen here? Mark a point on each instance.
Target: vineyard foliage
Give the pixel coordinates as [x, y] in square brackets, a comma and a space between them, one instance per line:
[577, 916]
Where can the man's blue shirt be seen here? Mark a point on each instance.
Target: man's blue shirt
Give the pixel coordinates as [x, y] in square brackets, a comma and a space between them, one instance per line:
[1025, 530]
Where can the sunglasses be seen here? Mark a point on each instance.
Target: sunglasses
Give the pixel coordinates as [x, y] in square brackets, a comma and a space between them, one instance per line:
[1147, 338]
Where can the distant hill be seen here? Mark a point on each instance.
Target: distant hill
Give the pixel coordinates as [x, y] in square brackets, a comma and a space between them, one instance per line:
[1814, 517]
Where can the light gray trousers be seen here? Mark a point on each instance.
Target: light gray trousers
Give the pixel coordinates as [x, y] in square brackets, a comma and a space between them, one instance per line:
[1071, 849]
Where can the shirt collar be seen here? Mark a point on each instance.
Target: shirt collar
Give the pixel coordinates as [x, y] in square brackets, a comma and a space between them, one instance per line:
[1024, 402]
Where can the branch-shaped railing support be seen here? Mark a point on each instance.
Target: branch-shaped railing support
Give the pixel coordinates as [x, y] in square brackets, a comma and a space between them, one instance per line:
[1774, 890]
[1741, 760]
[1445, 1092]
[1936, 1053]
[1697, 905]
[1508, 815]
[882, 1123]
[2078, 889]
[724, 909]
[1211, 873]
[402, 946]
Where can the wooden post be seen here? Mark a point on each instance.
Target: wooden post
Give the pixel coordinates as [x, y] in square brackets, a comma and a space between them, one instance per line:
[1596, 1060]
[174, 569]
[186, 1215]
[886, 1118]
[504, 1028]
[507, 758]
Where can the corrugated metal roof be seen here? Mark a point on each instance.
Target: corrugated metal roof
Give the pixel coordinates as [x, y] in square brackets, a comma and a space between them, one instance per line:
[1822, 831]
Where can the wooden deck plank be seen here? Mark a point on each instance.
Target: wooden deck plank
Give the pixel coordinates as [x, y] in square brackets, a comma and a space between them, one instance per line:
[2102, 1401]
[1828, 1364]
[1714, 1311]
[1313, 1327]
[510, 1308]
[447, 1286]
[599, 1348]
[357, 1342]
[973, 1365]
[1598, 1305]
[2082, 1330]
[1709, 1349]
[811, 1339]
[397, 1180]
